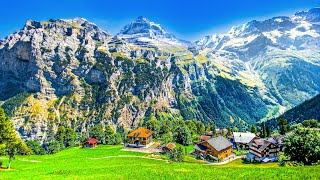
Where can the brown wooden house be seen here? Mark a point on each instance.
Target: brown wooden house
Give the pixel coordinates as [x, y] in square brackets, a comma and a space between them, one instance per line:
[91, 143]
[140, 137]
[218, 147]
[264, 148]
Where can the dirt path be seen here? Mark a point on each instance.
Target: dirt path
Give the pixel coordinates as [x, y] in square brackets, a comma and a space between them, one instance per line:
[25, 160]
[128, 156]
[225, 162]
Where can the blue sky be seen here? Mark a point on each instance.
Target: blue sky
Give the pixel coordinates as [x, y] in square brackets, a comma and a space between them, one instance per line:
[188, 20]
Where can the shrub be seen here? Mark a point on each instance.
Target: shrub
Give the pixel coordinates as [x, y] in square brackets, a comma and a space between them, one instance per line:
[282, 163]
[177, 154]
[303, 146]
[54, 147]
[35, 146]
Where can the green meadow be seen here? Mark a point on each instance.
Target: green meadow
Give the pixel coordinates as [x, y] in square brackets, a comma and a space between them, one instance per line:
[110, 162]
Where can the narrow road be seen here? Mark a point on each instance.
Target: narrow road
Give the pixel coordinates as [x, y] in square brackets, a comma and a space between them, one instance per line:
[225, 162]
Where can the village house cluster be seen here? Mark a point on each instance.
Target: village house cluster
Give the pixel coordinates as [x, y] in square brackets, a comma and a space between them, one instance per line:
[220, 148]
[213, 146]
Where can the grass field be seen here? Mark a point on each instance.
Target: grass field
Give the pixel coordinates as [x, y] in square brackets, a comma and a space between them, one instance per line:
[109, 162]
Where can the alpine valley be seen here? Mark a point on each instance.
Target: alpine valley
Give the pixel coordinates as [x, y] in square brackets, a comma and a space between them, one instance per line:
[73, 73]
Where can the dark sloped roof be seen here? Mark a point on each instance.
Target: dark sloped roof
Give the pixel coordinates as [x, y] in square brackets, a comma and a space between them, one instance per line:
[219, 143]
[200, 147]
[262, 143]
[272, 140]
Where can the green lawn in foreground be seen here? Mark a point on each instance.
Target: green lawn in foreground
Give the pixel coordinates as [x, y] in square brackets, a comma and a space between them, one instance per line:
[79, 163]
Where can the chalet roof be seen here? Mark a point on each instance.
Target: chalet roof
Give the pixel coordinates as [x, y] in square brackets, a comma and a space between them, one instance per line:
[262, 143]
[243, 137]
[200, 147]
[91, 141]
[219, 143]
[204, 137]
[272, 140]
[141, 133]
[225, 131]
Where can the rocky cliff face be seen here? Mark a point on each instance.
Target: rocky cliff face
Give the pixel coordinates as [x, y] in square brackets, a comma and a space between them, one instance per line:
[72, 73]
[78, 75]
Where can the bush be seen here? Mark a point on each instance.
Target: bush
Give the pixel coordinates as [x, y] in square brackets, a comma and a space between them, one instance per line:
[35, 146]
[282, 163]
[54, 147]
[176, 154]
[303, 146]
[294, 163]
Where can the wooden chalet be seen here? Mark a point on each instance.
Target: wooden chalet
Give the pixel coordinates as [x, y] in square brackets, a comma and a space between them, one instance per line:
[140, 137]
[218, 147]
[262, 148]
[91, 143]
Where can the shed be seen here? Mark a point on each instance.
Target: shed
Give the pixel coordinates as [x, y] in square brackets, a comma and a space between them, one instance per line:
[91, 143]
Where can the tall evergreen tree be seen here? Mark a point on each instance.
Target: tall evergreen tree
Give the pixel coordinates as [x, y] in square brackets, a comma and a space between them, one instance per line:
[282, 123]
[268, 133]
[253, 129]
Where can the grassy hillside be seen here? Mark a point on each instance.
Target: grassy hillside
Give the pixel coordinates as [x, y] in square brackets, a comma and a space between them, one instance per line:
[109, 162]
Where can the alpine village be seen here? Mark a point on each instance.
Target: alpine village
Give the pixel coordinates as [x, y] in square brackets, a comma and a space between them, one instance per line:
[79, 103]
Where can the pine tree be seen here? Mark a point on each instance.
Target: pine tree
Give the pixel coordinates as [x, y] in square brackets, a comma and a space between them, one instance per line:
[283, 127]
[268, 131]
[253, 129]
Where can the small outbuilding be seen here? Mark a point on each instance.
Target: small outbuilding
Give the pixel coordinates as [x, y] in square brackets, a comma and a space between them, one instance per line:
[168, 147]
[91, 143]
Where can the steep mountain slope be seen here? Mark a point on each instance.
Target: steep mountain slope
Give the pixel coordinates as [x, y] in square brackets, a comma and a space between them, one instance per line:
[281, 53]
[307, 110]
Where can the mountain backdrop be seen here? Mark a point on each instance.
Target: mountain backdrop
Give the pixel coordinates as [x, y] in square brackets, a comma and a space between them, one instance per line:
[73, 73]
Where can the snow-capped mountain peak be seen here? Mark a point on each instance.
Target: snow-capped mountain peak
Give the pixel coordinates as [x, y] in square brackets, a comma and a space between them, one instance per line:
[145, 32]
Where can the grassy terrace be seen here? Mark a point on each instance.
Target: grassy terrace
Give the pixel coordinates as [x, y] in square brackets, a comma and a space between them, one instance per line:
[109, 162]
